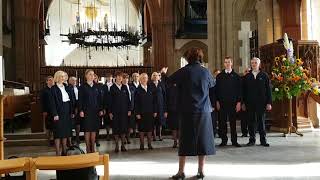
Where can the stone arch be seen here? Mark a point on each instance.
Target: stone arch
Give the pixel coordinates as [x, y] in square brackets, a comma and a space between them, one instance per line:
[191, 44]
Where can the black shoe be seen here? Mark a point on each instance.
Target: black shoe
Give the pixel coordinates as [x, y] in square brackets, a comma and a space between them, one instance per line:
[265, 144]
[175, 145]
[223, 144]
[123, 149]
[150, 147]
[251, 143]
[244, 135]
[236, 145]
[154, 139]
[141, 147]
[178, 176]
[200, 175]
[97, 143]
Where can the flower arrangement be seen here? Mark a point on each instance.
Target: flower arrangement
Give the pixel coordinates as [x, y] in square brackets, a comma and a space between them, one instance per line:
[289, 77]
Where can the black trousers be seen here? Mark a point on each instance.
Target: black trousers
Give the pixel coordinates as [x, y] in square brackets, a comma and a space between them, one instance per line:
[256, 121]
[244, 122]
[228, 114]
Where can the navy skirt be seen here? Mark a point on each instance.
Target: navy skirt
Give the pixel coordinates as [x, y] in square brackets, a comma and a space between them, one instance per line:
[196, 134]
[91, 121]
[173, 120]
[120, 123]
[63, 127]
[146, 123]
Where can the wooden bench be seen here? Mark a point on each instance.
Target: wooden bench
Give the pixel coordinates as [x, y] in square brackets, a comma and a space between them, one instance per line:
[31, 166]
[18, 165]
[74, 162]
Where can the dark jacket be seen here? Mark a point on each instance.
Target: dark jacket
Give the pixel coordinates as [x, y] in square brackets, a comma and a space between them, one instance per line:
[45, 98]
[145, 102]
[256, 92]
[90, 97]
[119, 100]
[194, 82]
[56, 103]
[172, 97]
[228, 88]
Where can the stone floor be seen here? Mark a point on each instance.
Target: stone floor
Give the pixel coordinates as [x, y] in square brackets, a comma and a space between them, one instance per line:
[288, 158]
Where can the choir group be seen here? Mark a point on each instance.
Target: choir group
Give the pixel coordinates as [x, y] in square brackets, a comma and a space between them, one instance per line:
[136, 106]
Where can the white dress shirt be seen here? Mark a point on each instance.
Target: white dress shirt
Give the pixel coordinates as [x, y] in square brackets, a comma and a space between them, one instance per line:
[136, 84]
[76, 92]
[65, 95]
[144, 87]
[228, 71]
[255, 73]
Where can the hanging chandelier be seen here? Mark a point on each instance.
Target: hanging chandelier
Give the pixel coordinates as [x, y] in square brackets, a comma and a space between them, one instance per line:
[101, 35]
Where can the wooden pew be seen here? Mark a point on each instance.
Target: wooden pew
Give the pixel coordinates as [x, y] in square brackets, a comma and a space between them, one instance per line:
[74, 162]
[18, 165]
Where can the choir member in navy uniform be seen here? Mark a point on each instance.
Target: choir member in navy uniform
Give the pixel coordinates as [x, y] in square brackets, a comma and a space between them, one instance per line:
[194, 106]
[131, 119]
[257, 99]
[160, 90]
[62, 109]
[45, 96]
[173, 116]
[90, 108]
[145, 103]
[106, 89]
[76, 120]
[215, 113]
[100, 87]
[119, 109]
[228, 94]
[134, 85]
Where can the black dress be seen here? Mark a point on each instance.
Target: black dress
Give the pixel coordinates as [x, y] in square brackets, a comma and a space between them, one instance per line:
[90, 102]
[194, 107]
[161, 103]
[63, 127]
[145, 105]
[120, 104]
[172, 100]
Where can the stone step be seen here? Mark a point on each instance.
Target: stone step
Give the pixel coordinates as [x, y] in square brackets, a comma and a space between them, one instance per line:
[26, 142]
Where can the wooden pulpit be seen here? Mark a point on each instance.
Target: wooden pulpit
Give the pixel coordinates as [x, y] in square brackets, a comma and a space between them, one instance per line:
[308, 51]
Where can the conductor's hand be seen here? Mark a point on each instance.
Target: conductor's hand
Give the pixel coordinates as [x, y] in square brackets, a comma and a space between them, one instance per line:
[155, 114]
[138, 116]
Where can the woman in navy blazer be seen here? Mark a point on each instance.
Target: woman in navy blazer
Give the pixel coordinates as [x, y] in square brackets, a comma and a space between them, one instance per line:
[62, 108]
[196, 134]
[90, 108]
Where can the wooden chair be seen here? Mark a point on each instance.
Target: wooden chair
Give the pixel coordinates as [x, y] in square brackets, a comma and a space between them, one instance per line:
[74, 162]
[18, 165]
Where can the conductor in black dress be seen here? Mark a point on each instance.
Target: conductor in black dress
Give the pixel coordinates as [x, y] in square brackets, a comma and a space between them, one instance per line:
[62, 109]
[173, 115]
[145, 104]
[119, 109]
[45, 96]
[196, 132]
[90, 108]
[228, 96]
[257, 100]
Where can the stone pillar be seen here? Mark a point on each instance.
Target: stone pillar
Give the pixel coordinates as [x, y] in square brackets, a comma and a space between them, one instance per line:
[220, 33]
[27, 42]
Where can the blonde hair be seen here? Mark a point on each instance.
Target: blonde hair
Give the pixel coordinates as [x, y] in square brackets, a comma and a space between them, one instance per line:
[143, 75]
[87, 71]
[57, 75]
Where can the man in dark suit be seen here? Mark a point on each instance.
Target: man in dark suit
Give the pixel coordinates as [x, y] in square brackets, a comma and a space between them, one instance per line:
[45, 96]
[228, 94]
[257, 99]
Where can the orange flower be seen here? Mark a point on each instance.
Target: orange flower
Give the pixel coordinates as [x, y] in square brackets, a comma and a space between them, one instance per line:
[299, 62]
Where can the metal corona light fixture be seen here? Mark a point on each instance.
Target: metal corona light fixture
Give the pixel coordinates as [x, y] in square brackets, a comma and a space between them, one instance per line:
[101, 35]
